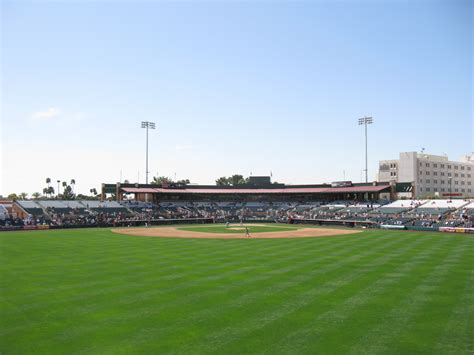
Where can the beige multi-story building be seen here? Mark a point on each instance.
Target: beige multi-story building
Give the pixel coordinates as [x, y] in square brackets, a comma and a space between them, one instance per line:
[431, 175]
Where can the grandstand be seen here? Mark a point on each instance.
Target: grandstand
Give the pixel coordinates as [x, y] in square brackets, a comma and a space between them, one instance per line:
[407, 214]
[365, 205]
[397, 207]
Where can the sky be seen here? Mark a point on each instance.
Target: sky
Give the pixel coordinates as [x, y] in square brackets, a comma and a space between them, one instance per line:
[246, 87]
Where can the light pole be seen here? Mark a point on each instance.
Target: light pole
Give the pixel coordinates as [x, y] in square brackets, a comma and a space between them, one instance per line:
[365, 121]
[58, 181]
[147, 125]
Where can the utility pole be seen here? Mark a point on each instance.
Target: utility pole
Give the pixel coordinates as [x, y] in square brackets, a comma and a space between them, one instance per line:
[365, 121]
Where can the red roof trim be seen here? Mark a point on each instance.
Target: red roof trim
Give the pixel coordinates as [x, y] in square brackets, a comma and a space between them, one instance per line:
[147, 190]
[290, 190]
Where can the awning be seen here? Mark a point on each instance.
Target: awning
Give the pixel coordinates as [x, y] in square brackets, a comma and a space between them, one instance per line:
[289, 190]
[140, 190]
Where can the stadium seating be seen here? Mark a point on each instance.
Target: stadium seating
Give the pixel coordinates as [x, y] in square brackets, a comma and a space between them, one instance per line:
[426, 214]
[31, 207]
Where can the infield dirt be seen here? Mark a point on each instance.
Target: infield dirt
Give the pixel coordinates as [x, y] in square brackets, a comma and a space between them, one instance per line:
[173, 232]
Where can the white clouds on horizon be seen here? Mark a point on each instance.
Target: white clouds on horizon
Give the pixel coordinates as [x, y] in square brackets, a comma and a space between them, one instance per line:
[51, 112]
[57, 114]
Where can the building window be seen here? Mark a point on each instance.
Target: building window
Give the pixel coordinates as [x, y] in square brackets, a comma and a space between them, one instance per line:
[468, 190]
[442, 182]
[435, 165]
[462, 167]
[427, 189]
[421, 189]
[442, 189]
[427, 173]
[469, 175]
[456, 182]
[435, 173]
[449, 174]
[469, 168]
[462, 182]
[421, 164]
[421, 181]
[427, 165]
[442, 166]
[449, 166]
[435, 189]
[469, 183]
[456, 175]
[462, 175]
[462, 190]
[427, 181]
[442, 173]
[435, 181]
[455, 167]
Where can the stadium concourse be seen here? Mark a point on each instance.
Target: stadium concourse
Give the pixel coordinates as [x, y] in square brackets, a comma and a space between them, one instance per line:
[436, 214]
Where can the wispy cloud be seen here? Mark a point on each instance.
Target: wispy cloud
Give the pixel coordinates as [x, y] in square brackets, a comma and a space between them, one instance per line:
[51, 112]
[56, 112]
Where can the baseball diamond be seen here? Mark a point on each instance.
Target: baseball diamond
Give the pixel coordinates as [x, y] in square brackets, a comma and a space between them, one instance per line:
[236, 177]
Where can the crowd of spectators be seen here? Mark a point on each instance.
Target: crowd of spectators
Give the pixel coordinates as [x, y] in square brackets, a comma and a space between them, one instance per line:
[410, 213]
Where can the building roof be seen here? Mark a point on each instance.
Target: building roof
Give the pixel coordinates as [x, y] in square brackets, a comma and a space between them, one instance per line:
[288, 190]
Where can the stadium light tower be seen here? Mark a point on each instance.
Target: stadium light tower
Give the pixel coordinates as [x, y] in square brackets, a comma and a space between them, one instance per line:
[148, 125]
[365, 121]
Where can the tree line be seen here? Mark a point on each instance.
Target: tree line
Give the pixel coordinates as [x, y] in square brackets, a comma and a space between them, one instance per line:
[49, 192]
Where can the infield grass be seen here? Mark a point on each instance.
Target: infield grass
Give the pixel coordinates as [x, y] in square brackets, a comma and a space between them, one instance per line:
[376, 292]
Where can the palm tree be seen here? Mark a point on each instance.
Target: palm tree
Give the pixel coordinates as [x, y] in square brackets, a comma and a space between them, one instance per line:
[58, 181]
[48, 182]
[23, 195]
[73, 183]
[36, 195]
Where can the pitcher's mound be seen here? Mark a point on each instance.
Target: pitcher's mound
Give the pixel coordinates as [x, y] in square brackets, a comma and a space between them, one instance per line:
[176, 233]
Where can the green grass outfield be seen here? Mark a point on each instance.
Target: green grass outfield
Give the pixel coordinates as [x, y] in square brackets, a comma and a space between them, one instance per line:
[91, 291]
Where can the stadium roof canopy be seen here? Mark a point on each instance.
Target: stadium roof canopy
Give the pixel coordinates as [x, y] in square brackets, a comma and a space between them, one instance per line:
[288, 190]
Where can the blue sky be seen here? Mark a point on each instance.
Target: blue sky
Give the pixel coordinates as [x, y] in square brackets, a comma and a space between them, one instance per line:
[234, 87]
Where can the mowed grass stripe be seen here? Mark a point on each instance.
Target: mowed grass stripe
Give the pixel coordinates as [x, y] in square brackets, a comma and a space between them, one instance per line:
[287, 303]
[355, 314]
[442, 293]
[95, 320]
[317, 325]
[186, 299]
[159, 268]
[48, 307]
[457, 336]
[194, 291]
[385, 335]
[244, 302]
